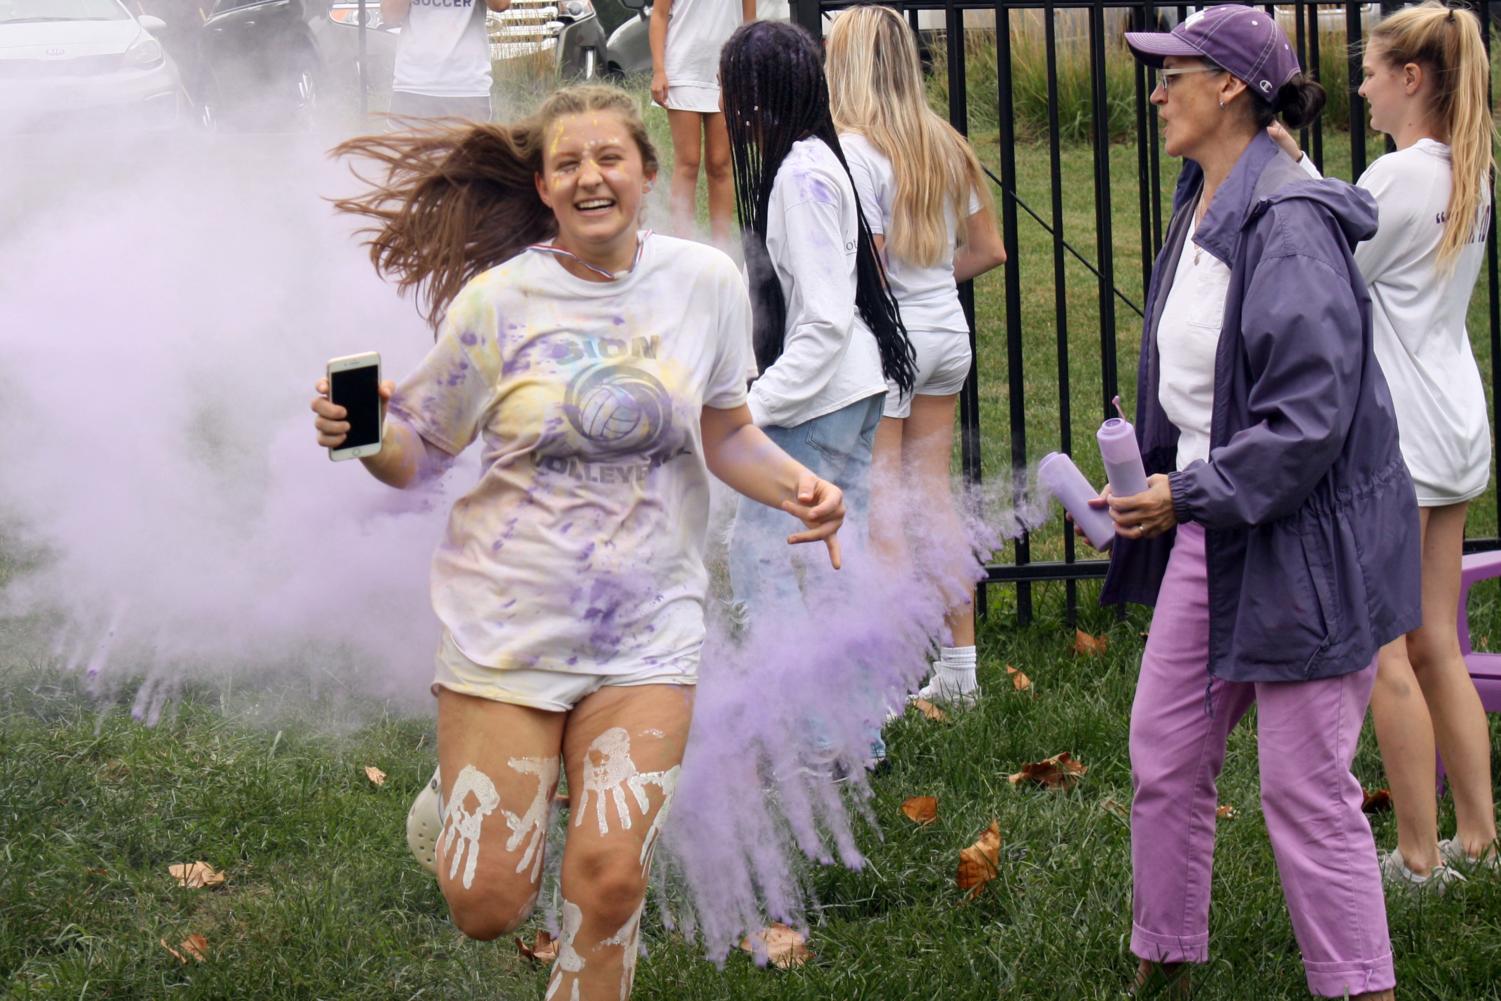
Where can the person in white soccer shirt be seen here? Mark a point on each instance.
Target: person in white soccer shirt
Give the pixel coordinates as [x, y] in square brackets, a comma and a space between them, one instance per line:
[686, 36]
[442, 58]
[602, 369]
[924, 196]
[1425, 78]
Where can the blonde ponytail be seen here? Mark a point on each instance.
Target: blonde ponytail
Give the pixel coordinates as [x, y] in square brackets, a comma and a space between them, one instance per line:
[876, 91]
[1446, 42]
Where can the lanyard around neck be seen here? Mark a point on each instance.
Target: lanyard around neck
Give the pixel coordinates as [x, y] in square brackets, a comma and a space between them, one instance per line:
[547, 248]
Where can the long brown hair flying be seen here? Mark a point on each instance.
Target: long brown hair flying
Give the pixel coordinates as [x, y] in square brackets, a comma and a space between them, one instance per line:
[454, 199]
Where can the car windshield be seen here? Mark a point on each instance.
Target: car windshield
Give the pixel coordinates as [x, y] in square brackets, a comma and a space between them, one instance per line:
[17, 11]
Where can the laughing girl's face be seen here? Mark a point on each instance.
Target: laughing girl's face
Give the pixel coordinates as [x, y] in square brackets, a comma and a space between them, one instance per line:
[593, 179]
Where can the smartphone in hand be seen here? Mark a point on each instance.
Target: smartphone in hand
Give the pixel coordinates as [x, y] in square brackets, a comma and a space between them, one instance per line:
[354, 384]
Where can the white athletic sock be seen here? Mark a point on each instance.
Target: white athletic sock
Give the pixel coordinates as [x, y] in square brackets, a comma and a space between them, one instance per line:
[956, 667]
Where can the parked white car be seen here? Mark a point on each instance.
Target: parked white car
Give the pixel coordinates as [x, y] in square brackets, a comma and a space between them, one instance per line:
[83, 64]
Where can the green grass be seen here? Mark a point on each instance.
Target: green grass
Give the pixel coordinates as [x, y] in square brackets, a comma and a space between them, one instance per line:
[322, 901]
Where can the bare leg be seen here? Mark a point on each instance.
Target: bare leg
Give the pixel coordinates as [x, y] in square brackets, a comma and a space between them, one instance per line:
[1404, 732]
[888, 505]
[720, 174]
[687, 150]
[927, 456]
[623, 748]
[1459, 723]
[499, 765]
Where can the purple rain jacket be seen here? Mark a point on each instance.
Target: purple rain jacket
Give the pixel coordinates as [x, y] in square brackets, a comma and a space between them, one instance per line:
[1310, 519]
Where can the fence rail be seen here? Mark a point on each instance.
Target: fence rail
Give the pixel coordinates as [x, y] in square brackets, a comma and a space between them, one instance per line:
[949, 30]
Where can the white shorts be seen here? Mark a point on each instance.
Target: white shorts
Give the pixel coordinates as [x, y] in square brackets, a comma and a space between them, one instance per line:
[554, 691]
[689, 98]
[943, 360]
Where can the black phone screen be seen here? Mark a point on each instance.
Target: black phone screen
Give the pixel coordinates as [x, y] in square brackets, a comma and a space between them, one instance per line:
[358, 391]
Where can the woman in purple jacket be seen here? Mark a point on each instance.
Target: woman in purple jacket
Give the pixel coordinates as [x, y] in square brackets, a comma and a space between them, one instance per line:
[1278, 533]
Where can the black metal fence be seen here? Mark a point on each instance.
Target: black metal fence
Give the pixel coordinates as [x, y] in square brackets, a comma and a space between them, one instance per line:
[948, 26]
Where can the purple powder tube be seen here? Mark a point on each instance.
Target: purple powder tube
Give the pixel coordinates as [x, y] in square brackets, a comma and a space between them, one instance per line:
[1122, 458]
[1064, 481]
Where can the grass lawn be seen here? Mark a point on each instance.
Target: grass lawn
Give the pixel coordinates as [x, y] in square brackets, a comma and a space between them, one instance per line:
[322, 901]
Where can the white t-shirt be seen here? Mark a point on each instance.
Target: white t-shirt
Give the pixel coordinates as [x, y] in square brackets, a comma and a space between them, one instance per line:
[928, 297]
[1188, 335]
[581, 549]
[696, 31]
[1419, 319]
[444, 50]
[829, 357]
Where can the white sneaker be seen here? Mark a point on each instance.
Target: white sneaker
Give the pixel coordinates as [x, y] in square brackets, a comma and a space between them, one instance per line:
[425, 823]
[1452, 852]
[940, 689]
[1396, 875]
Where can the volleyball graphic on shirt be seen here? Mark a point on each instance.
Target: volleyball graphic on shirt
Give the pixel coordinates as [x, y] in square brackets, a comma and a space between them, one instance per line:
[619, 409]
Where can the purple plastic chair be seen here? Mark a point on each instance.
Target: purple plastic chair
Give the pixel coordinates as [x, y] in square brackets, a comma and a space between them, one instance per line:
[1485, 668]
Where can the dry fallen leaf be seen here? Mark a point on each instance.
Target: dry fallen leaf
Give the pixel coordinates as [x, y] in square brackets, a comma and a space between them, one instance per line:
[981, 861]
[931, 711]
[1225, 812]
[196, 875]
[544, 950]
[194, 945]
[1060, 771]
[921, 809]
[1377, 801]
[375, 775]
[1090, 646]
[1019, 681]
[783, 946]
[1114, 806]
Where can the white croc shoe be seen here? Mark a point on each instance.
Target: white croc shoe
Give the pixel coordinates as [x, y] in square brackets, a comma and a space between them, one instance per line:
[425, 823]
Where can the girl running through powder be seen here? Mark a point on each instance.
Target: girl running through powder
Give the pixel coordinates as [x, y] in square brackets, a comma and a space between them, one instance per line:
[924, 196]
[1426, 79]
[828, 336]
[603, 370]
[686, 36]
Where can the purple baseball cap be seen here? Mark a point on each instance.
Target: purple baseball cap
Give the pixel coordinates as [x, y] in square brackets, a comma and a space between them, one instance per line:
[1246, 41]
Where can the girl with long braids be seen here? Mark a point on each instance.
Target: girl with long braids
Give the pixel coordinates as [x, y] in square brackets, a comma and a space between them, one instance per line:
[603, 369]
[828, 336]
[924, 196]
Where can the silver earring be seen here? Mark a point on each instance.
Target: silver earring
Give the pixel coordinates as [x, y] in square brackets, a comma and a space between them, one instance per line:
[1222, 104]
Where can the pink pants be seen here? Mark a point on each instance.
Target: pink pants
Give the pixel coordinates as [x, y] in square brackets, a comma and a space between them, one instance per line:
[1306, 734]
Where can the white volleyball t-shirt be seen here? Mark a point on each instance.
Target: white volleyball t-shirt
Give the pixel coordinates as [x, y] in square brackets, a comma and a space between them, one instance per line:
[581, 548]
[1418, 315]
[444, 50]
[926, 294]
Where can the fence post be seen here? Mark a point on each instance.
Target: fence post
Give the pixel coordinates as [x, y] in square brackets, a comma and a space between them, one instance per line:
[808, 14]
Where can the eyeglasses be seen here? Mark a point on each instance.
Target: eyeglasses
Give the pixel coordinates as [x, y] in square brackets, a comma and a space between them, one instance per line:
[1163, 77]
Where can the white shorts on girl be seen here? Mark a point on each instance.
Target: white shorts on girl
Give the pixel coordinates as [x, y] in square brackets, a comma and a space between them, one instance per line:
[943, 360]
[553, 691]
[686, 97]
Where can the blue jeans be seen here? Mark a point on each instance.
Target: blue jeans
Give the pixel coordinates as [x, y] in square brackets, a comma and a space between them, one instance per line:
[836, 447]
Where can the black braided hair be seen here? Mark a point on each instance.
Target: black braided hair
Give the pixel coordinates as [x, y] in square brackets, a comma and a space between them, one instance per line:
[775, 94]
